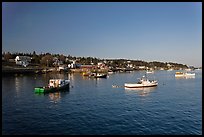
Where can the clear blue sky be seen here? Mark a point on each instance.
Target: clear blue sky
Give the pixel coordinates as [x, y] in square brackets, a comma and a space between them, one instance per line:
[169, 32]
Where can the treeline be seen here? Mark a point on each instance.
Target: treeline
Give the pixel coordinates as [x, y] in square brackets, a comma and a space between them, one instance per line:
[122, 63]
[48, 60]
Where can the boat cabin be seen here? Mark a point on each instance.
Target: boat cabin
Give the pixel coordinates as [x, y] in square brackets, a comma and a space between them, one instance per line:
[179, 73]
[56, 82]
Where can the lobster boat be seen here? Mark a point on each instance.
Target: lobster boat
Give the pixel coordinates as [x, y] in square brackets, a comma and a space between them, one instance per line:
[53, 85]
[143, 82]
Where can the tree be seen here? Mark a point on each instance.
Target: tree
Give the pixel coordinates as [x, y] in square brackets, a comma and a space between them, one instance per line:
[47, 60]
[7, 56]
[34, 53]
[62, 58]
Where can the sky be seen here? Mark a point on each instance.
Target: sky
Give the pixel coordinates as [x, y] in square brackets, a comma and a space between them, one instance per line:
[149, 31]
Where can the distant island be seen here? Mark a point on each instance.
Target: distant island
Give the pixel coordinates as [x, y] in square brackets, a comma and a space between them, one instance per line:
[32, 62]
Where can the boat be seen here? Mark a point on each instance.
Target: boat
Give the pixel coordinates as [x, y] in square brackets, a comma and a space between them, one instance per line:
[110, 72]
[100, 75]
[143, 91]
[149, 71]
[184, 74]
[54, 85]
[143, 82]
[179, 74]
[86, 74]
[190, 74]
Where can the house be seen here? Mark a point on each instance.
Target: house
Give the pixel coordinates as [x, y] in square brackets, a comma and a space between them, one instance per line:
[85, 68]
[72, 64]
[23, 60]
[101, 65]
[56, 61]
[142, 67]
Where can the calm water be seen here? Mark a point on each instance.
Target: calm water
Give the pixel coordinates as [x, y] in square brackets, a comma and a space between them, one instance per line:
[92, 106]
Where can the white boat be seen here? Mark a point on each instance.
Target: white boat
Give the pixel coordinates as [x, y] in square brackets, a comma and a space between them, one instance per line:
[179, 74]
[150, 71]
[143, 91]
[143, 82]
[170, 69]
[190, 74]
[110, 72]
[98, 75]
[101, 75]
[186, 74]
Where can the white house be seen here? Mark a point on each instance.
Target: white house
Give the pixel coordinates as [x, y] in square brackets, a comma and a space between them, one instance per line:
[142, 67]
[56, 61]
[73, 64]
[23, 60]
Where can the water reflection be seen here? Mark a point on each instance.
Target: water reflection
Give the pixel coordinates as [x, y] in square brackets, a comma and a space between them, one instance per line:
[55, 97]
[17, 84]
[145, 91]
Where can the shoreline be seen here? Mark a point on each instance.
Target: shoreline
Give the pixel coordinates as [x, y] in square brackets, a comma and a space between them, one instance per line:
[19, 70]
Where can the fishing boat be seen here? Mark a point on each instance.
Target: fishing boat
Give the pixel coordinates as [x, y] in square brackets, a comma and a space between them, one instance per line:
[98, 75]
[179, 74]
[143, 91]
[149, 71]
[185, 74]
[190, 74]
[53, 85]
[86, 73]
[143, 82]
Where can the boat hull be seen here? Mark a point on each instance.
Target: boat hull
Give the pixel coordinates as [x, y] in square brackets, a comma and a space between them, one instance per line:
[47, 90]
[179, 75]
[190, 74]
[102, 76]
[129, 85]
[185, 75]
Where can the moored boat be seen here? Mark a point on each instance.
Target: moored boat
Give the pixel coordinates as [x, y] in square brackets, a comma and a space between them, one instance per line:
[98, 75]
[179, 74]
[185, 74]
[143, 82]
[149, 71]
[190, 74]
[54, 85]
[86, 73]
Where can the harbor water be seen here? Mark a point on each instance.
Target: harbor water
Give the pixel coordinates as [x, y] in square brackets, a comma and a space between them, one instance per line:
[94, 107]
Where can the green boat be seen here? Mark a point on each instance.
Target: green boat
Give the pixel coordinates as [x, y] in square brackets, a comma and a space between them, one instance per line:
[54, 85]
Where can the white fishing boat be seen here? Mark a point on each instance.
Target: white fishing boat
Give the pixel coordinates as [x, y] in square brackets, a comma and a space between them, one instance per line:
[179, 74]
[143, 91]
[98, 75]
[190, 74]
[149, 71]
[143, 82]
[185, 74]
